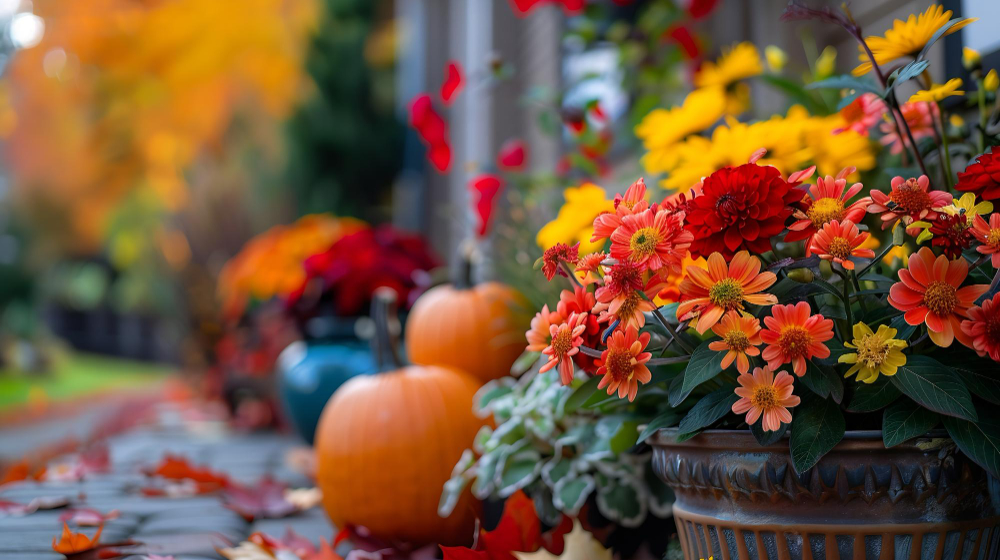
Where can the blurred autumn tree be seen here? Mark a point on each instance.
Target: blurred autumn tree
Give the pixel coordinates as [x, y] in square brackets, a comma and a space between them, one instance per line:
[345, 142]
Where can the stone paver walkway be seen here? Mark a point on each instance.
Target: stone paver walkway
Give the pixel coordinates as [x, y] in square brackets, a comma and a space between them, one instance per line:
[189, 528]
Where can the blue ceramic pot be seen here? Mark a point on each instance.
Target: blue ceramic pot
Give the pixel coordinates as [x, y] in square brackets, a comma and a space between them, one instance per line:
[310, 372]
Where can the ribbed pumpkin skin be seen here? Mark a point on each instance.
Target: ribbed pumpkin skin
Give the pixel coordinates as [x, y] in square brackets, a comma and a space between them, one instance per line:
[385, 446]
[479, 330]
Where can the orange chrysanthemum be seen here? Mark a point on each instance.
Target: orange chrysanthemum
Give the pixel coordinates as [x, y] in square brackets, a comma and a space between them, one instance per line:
[539, 335]
[625, 296]
[838, 242]
[623, 363]
[588, 268]
[652, 239]
[740, 334]
[794, 335]
[70, 542]
[908, 200]
[709, 294]
[764, 395]
[929, 291]
[988, 234]
[564, 344]
[983, 328]
[633, 202]
[827, 202]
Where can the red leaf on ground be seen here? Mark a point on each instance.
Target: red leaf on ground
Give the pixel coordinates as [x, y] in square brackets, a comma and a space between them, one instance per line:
[178, 469]
[483, 191]
[264, 500]
[16, 509]
[519, 530]
[512, 155]
[453, 82]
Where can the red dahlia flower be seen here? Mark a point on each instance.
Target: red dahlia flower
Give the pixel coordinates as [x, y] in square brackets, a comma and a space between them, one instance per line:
[953, 233]
[982, 328]
[982, 176]
[740, 208]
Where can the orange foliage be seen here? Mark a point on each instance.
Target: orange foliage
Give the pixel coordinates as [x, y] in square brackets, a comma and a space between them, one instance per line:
[123, 96]
[71, 542]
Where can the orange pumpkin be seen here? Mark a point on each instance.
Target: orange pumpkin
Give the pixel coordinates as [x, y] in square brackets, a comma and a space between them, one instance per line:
[385, 446]
[479, 330]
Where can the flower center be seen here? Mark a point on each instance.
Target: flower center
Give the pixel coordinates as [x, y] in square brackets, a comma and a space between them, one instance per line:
[910, 197]
[794, 340]
[993, 329]
[562, 342]
[737, 340]
[825, 210]
[629, 304]
[619, 364]
[940, 298]
[727, 293]
[993, 238]
[764, 397]
[872, 350]
[840, 248]
[644, 242]
[728, 204]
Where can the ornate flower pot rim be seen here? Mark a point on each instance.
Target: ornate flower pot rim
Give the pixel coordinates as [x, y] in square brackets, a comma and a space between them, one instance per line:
[854, 440]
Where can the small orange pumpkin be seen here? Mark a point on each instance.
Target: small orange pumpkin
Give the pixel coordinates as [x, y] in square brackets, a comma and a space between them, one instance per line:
[387, 443]
[479, 330]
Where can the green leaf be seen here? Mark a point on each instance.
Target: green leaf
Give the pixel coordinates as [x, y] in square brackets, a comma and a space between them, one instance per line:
[704, 365]
[904, 330]
[845, 81]
[788, 290]
[981, 378]
[625, 437]
[934, 387]
[519, 470]
[665, 420]
[823, 381]
[908, 72]
[570, 493]
[791, 88]
[817, 427]
[524, 362]
[555, 469]
[836, 351]
[869, 397]
[980, 441]
[708, 410]
[491, 392]
[622, 500]
[765, 438]
[906, 420]
[581, 394]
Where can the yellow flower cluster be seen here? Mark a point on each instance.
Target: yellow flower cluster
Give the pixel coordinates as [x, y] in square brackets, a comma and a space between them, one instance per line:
[271, 264]
[575, 222]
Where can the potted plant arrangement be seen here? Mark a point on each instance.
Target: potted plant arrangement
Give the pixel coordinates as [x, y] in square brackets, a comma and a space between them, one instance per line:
[822, 384]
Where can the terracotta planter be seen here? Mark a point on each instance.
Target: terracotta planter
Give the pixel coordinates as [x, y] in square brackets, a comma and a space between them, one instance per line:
[918, 501]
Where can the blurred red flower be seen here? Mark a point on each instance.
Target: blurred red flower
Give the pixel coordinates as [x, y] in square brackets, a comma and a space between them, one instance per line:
[982, 176]
[484, 190]
[453, 82]
[523, 7]
[433, 130]
[512, 155]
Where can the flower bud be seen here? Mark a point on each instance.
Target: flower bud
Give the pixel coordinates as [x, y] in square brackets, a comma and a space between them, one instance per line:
[776, 58]
[971, 60]
[991, 82]
[802, 275]
[826, 63]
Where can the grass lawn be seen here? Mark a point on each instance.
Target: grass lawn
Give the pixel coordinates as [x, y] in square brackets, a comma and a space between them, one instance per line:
[78, 375]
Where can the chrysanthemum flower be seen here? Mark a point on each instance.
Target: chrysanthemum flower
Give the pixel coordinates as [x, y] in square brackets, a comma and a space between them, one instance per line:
[920, 117]
[670, 292]
[875, 353]
[838, 242]
[740, 334]
[740, 208]
[557, 254]
[652, 239]
[565, 342]
[588, 268]
[582, 302]
[633, 202]
[862, 114]
[937, 92]
[619, 300]
[794, 335]
[539, 334]
[952, 233]
[982, 176]
[982, 328]
[738, 62]
[907, 38]
[988, 234]
[709, 294]
[826, 202]
[765, 395]
[930, 292]
[623, 363]
[908, 200]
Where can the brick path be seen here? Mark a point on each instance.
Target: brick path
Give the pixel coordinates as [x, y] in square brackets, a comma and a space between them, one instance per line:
[188, 528]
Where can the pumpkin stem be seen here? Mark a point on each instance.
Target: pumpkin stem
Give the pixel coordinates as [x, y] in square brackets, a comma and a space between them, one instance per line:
[385, 340]
[467, 254]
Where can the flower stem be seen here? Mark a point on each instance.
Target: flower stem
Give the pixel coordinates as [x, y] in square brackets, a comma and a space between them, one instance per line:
[982, 115]
[668, 361]
[571, 274]
[946, 153]
[857, 289]
[847, 298]
[663, 321]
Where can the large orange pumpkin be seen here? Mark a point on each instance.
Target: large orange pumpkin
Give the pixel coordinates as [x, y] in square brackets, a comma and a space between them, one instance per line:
[479, 330]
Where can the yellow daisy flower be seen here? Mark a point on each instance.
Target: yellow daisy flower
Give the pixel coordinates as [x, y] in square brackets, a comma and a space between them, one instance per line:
[907, 38]
[939, 91]
[662, 128]
[575, 221]
[877, 353]
[739, 62]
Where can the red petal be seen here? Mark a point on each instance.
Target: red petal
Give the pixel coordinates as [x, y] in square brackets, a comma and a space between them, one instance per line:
[512, 155]
[682, 36]
[484, 190]
[453, 82]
